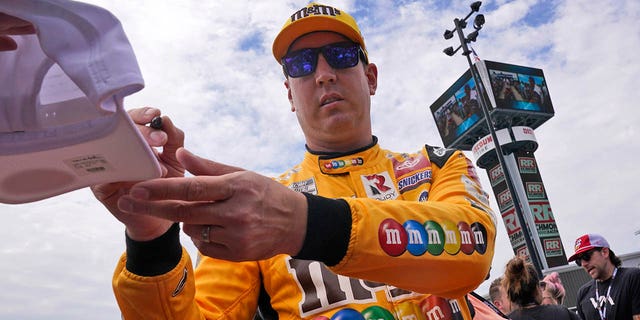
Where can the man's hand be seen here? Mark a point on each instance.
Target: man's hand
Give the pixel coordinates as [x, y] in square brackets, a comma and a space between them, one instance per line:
[229, 213]
[10, 25]
[170, 138]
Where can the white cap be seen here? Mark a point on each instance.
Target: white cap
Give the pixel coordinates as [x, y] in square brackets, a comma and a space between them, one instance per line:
[62, 121]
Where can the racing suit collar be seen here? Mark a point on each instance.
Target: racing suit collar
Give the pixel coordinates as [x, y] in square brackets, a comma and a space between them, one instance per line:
[343, 162]
[329, 155]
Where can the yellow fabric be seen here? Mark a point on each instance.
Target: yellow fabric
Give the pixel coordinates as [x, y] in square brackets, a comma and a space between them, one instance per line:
[302, 289]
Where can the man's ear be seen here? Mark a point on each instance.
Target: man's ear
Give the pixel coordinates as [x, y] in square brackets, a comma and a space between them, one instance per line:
[371, 72]
[289, 96]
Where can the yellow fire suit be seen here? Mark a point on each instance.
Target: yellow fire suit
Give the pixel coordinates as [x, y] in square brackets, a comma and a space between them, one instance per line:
[390, 230]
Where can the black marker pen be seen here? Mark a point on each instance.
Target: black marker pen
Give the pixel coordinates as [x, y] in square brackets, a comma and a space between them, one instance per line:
[156, 123]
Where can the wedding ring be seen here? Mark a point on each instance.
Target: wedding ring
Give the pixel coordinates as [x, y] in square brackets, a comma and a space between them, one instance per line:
[205, 234]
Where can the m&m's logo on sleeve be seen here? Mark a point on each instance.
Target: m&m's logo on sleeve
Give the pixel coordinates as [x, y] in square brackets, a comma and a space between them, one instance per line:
[432, 237]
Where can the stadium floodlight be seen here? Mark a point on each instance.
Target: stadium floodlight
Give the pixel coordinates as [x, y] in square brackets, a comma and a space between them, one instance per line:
[484, 106]
[449, 51]
[478, 22]
[475, 7]
[471, 37]
[448, 34]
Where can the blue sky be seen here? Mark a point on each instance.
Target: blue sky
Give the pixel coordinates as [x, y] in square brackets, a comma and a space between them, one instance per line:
[208, 65]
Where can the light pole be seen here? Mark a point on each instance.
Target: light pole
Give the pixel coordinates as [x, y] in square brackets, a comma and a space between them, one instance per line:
[478, 22]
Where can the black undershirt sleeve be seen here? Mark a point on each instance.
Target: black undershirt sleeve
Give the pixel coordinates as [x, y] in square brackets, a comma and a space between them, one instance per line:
[154, 257]
[328, 230]
[327, 240]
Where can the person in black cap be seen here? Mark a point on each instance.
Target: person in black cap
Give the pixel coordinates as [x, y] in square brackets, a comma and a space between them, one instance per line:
[614, 292]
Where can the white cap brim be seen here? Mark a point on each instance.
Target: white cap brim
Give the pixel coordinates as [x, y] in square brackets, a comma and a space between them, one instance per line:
[121, 155]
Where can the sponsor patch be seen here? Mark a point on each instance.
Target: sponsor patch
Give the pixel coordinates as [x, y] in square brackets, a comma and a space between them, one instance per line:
[341, 163]
[440, 152]
[410, 164]
[411, 171]
[440, 156]
[308, 186]
[474, 190]
[424, 196]
[431, 237]
[413, 181]
[379, 186]
[316, 10]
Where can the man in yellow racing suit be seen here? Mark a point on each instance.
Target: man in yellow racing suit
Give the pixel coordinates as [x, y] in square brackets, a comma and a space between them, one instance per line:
[432, 233]
[386, 234]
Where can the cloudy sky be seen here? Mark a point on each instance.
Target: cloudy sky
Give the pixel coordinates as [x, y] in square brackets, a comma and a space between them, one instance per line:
[208, 65]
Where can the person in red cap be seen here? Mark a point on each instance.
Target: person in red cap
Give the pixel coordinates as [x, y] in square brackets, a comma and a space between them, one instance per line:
[615, 291]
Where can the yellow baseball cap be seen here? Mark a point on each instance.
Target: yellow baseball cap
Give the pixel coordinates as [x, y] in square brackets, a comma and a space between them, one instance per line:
[316, 17]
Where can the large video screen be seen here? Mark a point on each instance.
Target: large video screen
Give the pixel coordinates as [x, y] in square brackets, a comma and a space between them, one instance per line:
[519, 88]
[457, 110]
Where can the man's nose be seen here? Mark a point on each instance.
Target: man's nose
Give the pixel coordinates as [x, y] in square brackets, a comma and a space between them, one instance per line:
[324, 72]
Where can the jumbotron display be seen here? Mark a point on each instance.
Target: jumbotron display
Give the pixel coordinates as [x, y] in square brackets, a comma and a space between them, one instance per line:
[517, 87]
[457, 110]
[515, 96]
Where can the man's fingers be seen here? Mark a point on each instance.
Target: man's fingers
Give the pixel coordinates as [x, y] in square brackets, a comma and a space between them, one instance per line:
[201, 188]
[203, 167]
[7, 44]
[143, 115]
[177, 211]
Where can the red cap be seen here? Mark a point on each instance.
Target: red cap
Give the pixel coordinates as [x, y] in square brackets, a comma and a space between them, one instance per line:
[588, 242]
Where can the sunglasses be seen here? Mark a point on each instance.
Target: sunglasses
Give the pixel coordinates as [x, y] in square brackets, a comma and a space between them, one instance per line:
[340, 55]
[585, 257]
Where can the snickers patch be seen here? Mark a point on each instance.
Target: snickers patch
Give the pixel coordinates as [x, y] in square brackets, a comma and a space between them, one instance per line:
[412, 172]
